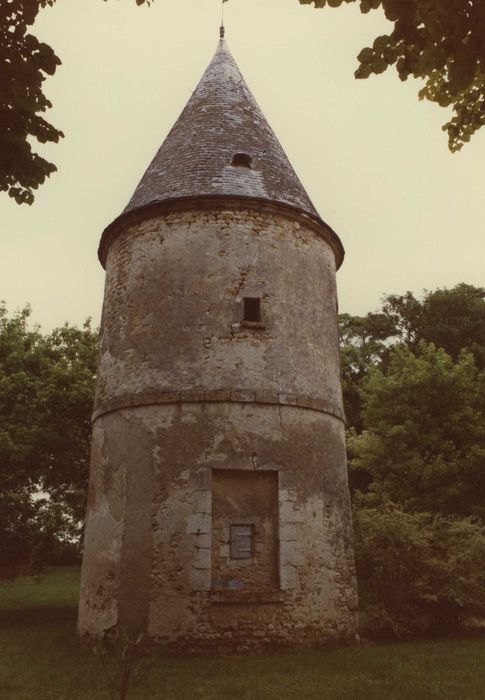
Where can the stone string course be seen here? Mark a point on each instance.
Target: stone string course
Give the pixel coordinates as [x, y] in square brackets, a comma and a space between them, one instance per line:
[221, 395]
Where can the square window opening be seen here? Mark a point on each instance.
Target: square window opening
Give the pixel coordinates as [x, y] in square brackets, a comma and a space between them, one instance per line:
[252, 310]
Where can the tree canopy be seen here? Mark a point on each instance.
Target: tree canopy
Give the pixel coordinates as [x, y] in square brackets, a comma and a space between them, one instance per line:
[451, 319]
[414, 393]
[423, 441]
[46, 394]
[25, 63]
[364, 344]
[439, 41]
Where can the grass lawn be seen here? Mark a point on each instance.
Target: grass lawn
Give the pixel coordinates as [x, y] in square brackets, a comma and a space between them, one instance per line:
[41, 658]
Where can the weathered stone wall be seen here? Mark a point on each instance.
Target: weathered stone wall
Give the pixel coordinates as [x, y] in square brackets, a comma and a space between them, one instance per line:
[171, 320]
[186, 391]
[183, 443]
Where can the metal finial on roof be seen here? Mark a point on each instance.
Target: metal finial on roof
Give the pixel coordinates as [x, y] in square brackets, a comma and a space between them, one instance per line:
[222, 30]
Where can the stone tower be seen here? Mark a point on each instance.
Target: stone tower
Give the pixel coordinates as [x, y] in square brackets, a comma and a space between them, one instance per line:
[219, 510]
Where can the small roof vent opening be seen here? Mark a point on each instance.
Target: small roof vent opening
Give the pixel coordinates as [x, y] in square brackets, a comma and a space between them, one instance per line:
[242, 160]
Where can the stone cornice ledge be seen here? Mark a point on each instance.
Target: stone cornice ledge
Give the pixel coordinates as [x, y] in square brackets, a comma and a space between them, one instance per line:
[221, 396]
[214, 203]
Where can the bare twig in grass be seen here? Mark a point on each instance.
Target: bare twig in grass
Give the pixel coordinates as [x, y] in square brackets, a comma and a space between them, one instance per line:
[123, 660]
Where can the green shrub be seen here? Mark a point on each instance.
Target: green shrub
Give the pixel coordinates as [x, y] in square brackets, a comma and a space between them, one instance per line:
[418, 572]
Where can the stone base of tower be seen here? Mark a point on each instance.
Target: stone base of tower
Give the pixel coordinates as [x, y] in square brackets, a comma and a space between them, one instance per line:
[241, 628]
[219, 525]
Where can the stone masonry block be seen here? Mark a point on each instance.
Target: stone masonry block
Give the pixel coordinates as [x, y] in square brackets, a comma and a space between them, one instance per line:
[198, 523]
[290, 514]
[287, 532]
[217, 395]
[291, 554]
[287, 399]
[200, 579]
[242, 396]
[262, 396]
[288, 577]
[203, 541]
[224, 550]
[286, 480]
[202, 559]
[192, 395]
[202, 502]
[288, 495]
[203, 479]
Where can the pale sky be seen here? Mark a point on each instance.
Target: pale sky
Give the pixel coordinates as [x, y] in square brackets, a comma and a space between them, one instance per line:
[372, 157]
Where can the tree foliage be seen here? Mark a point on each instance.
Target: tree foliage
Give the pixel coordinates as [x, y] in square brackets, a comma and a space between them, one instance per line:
[418, 572]
[363, 341]
[452, 319]
[46, 394]
[439, 41]
[25, 63]
[423, 441]
[414, 391]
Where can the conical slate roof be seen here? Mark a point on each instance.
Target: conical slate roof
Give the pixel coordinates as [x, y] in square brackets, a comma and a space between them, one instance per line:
[221, 119]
